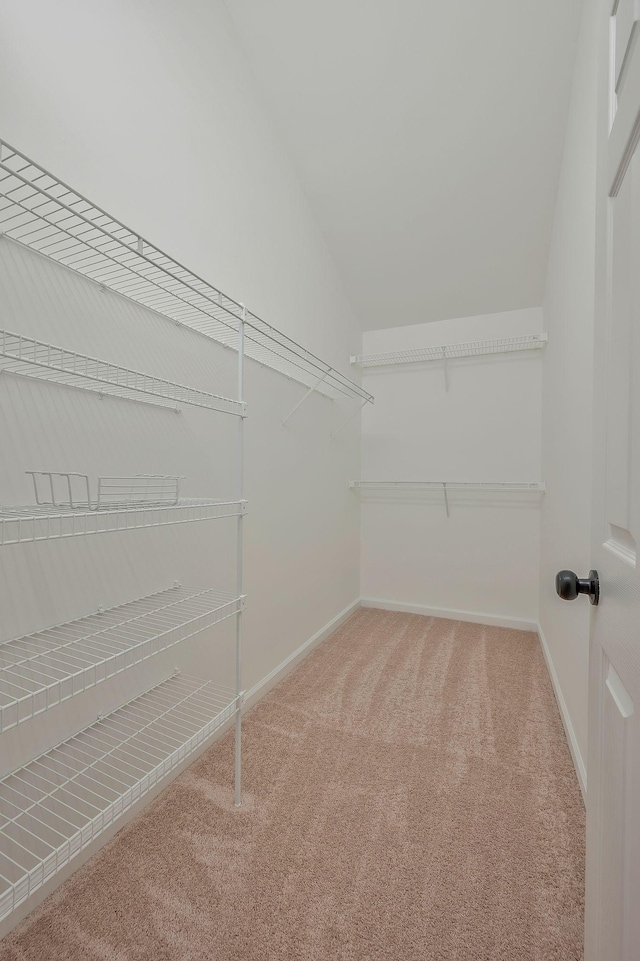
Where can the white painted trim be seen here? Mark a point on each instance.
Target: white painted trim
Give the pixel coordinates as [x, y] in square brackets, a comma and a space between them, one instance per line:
[273, 677]
[578, 763]
[474, 617]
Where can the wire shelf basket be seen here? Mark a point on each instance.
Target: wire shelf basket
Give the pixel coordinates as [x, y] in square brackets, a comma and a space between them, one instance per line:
[61, 801]
[73, 491]
[39, 671]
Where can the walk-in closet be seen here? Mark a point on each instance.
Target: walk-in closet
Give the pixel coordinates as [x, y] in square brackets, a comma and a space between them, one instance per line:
[317, 406]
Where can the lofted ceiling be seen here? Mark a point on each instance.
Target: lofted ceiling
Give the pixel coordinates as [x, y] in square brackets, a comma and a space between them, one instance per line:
[428, 139]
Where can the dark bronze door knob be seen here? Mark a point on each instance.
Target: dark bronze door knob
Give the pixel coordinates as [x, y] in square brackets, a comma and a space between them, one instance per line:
[569, 585]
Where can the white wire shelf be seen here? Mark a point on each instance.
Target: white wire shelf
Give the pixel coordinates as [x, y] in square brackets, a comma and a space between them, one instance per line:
[39, 671]
[29, 523]
[447, 487]
[27, 357]
[445, 352]
[535, 487]
[58, 803]
[41, 212]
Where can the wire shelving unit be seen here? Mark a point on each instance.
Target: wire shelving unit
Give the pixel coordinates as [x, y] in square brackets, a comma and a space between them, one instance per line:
[57, 803]
[447, 487]
[42, 212]
[39, 671]
[61, 801]
[27, 357]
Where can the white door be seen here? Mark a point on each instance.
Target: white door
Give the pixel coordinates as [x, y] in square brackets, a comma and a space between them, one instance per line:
[613, 799]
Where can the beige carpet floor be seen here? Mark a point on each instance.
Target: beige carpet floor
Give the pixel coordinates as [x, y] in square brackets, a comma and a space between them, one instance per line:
[409, 795]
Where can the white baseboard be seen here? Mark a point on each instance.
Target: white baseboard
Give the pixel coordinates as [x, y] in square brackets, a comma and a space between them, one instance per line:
[273, 677]
[474, 617]
[578, 763]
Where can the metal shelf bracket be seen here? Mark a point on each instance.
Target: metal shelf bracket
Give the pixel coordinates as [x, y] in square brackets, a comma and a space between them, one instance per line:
[311, 390]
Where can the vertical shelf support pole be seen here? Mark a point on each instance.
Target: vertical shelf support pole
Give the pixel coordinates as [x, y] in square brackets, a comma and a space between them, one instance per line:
[239, 563]
[446, 498]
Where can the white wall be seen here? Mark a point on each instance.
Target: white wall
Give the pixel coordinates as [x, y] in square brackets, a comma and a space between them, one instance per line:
[483, 559]
[148, 109]
[567, 398]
